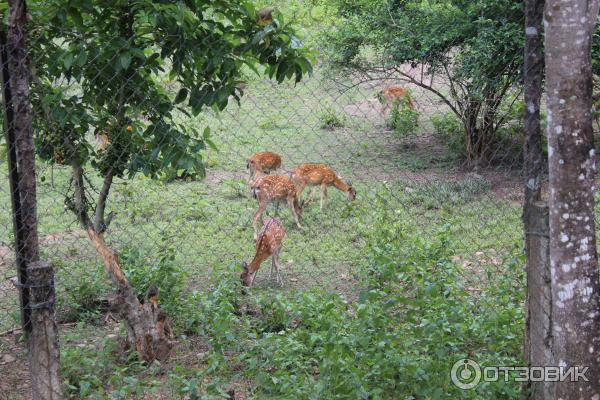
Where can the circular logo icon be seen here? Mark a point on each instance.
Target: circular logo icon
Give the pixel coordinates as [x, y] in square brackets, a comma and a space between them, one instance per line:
[465, 374]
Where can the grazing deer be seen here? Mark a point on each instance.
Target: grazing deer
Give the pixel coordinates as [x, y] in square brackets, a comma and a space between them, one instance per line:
[394, 93]
[320, 174]
[264, 162]
[270, 188]
[268, 244]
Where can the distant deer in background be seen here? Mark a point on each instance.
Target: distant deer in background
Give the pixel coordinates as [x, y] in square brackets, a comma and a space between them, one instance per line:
[393, 95]
[264, 162]
[320, 174]
[268, 244]
[272, 188]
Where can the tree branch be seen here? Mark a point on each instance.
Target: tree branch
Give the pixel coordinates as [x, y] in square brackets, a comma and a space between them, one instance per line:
[431, 89]
[100, 224]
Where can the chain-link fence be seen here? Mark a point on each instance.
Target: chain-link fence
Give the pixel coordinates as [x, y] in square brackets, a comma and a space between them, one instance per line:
[97, 115]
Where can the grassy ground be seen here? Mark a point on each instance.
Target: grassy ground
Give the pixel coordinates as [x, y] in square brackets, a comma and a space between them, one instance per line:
[207, 223]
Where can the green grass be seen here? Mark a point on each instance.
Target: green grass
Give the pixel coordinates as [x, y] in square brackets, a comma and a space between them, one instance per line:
[207, 224]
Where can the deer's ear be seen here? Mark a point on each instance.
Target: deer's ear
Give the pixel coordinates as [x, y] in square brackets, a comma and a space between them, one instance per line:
[349, 183]
[245, 266]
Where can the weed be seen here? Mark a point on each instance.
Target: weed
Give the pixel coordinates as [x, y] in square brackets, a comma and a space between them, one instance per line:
[330, 118]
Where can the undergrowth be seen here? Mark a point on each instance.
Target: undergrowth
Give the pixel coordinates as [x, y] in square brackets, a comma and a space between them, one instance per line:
[413, 319]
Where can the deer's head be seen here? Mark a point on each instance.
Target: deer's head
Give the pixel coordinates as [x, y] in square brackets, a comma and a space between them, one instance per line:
[246, 277]
[351, 192]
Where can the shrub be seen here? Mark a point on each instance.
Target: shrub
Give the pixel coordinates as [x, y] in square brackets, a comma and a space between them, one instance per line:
[142, 270]
[403, 119]
[451, 130]
[412, 321]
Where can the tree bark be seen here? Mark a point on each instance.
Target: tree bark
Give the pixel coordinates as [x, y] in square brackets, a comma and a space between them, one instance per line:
[532, 75]
[145, 323]
[573, 258]
[100, 224]
[43, 349]
[537, 341]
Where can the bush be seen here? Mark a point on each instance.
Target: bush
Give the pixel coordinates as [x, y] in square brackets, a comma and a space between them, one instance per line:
[451, 130]
[403, 119]
[142, 270]
[412, 321]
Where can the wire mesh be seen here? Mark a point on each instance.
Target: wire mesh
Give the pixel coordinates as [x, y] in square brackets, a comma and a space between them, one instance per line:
[205, 223]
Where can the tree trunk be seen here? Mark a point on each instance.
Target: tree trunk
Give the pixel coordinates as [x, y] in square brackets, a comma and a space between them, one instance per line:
[573, 259]
[145, 323]
[471, 130]
[537, 341]
[533, 73]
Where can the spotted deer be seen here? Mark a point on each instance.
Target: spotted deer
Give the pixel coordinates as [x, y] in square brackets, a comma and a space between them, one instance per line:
[320, 174]
[271, 188]
[263, 162]
[394, 93]
[268, 244]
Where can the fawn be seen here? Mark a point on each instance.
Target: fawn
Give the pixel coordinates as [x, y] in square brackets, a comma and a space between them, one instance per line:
[320, 174]
[394, 93]
[268, 244]
[263, 162]
[271, 188]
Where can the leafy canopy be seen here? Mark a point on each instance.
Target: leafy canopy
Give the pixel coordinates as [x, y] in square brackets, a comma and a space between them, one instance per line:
[485, 39]
[134, 71]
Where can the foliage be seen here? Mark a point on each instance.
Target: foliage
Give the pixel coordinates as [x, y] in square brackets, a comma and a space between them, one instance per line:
[403, 119]
[451, 130]
[89, 373]
[84, 295]
[476, 46]
[411, 322]
[143, 271]
[413, 319]
[90, 78]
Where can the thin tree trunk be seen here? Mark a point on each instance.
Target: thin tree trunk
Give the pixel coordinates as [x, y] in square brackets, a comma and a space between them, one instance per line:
[145, 322]
[573, 259]
[537, 341]
[100, 224]
[42, 336]
[19, 84]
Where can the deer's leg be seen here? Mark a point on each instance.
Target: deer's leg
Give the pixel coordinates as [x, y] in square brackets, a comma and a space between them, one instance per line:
[290, 201]
[311, 196]
[262, 205]
[323, 193]
[250, 175]
[300, 188]
[277, 266]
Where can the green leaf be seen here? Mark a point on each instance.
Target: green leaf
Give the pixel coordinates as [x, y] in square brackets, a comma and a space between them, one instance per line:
[68, 60]
[125, 59]
[181, 95]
